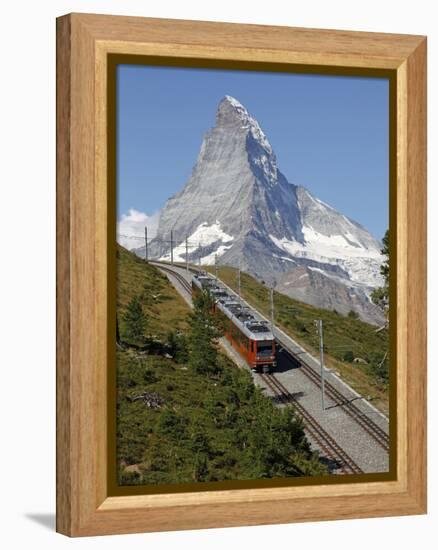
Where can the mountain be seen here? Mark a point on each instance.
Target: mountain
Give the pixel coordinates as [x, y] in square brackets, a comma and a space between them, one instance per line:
[237, 206]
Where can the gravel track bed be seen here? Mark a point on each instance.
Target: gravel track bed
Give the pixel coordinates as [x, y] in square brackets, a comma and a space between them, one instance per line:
[362, 448]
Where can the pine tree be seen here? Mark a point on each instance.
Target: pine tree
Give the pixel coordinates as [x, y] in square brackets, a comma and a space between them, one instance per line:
[384, 268]
[204, 332]
[380, 296]
[135, 322]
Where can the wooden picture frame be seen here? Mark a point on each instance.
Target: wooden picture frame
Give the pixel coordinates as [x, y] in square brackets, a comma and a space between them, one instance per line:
[84, 44]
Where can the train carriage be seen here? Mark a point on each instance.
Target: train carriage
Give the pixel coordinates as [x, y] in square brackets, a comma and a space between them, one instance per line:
[247, 332]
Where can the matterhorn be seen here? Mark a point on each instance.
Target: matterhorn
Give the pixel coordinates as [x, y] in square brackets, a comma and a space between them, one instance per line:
[237, 208]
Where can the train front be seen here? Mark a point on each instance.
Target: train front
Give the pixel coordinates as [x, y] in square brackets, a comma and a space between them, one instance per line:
[262, 349]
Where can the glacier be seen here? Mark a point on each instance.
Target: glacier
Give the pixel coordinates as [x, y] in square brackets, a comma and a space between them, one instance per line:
[237, 206]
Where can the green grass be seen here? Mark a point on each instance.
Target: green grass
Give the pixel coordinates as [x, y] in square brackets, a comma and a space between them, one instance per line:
[162, 304]
[207, 428]
[344, 337]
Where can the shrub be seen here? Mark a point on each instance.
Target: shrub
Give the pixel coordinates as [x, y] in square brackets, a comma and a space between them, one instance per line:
[204, 332]
[177, 346]
[135, 322]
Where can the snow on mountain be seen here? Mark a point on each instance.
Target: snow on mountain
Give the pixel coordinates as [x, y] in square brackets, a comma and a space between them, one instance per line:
[361, 264]
[239, 207]
[204, 236]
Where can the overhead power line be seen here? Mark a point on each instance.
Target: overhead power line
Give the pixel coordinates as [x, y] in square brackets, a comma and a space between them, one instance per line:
[175, 242]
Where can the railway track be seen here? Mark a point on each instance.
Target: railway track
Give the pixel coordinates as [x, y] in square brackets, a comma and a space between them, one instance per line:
[180, 278]
[352, 410]
[332, 450]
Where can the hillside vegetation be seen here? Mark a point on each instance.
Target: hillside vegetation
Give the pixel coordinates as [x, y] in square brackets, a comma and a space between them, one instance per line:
[352, 347]
[179, 420]
[162, 304]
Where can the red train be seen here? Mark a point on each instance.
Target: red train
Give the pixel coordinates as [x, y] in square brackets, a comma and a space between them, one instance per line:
[249, 335]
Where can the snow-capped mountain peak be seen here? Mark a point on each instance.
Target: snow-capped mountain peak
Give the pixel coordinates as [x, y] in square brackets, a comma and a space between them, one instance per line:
[231, 107]
[237, 206]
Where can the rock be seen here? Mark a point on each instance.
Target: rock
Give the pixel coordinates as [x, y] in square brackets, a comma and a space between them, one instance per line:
[152, 400]
[238, 206]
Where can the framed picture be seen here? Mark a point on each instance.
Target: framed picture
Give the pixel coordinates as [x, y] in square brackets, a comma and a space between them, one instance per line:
[241, 280]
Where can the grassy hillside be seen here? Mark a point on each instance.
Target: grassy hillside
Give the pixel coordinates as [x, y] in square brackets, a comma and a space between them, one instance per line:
[345, 337]
[162, 304]
[176, 425]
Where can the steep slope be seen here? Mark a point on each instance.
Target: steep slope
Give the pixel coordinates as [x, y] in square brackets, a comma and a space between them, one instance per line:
[162, 304]
[234, 188]
[338, 264]
[174, 437]
[238, 208]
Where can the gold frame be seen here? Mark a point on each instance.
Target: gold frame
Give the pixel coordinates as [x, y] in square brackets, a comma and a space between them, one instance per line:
[84, 506]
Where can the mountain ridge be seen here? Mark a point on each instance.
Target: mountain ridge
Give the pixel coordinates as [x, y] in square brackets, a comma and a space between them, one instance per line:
[237, 206]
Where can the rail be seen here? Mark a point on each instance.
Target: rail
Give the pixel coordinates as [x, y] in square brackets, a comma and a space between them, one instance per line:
[183, 282]
[354, 412]
[351, 409]
[322, 438]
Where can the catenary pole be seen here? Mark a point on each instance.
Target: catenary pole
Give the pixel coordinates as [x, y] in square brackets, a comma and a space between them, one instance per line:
[171, 247]
[215, 265]
[321, 361]
[146, 242]
[187, 255]
[271, 300]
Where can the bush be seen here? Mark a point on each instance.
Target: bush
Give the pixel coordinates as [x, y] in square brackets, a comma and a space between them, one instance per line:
[149, 377]
[299, 325]
[177, 346]
[379, 367]
[204, 333]
[129, 478]
[135, 322]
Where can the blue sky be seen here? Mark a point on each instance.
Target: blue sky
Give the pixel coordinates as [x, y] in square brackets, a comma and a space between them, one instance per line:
[330, 134]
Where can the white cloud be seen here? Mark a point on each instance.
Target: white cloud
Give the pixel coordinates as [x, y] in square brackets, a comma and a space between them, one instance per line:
[130, 228]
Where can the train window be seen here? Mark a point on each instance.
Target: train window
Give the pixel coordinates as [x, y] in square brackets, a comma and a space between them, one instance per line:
[264, 348]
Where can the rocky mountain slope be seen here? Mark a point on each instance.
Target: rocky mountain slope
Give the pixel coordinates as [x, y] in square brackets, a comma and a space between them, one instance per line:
[238, 208]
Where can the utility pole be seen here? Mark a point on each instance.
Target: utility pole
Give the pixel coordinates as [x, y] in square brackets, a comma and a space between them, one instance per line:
[199, 256]
[215, 265]
[171, 247]
[146, 242]
[238, 282]
[187, 255]
[271, 300]
[321, 360]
